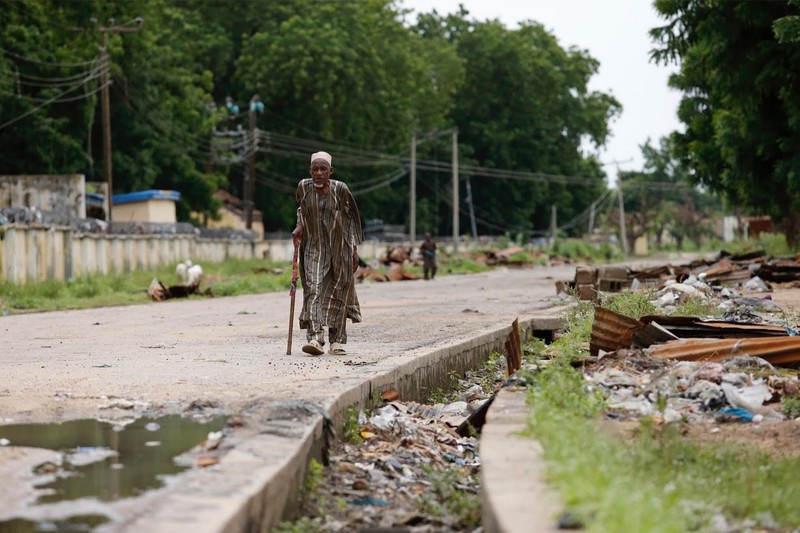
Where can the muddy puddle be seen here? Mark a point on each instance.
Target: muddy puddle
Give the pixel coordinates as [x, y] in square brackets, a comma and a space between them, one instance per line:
[105, 461]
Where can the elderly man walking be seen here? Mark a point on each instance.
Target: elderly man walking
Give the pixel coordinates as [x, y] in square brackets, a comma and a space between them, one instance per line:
[329, 232]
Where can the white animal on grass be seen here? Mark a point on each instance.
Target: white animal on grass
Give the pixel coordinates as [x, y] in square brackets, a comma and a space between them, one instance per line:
[194, 273]
[181, 271]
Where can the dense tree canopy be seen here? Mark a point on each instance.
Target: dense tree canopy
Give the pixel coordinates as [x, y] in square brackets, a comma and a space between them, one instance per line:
[742, 99]
[525, 106]
[355, 78]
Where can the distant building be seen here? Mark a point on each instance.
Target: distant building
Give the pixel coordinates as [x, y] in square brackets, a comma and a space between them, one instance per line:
[145, 206]
[232, 215]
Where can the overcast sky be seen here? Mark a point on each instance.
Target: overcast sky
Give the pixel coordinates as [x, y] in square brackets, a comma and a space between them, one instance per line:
[615, 33]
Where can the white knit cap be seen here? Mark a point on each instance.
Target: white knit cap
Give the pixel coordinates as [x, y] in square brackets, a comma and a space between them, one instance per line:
[325, 156]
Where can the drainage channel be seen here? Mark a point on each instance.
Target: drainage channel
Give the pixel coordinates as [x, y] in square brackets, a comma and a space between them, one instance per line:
[406, 466]
[95, 461]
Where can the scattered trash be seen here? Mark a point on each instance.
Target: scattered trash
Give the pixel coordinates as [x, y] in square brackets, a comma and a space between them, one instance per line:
[206, 460]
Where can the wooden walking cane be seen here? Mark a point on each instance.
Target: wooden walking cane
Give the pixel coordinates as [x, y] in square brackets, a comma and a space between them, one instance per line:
[292, 292]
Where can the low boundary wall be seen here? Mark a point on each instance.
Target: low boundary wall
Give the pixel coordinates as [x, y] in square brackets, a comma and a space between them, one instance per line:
[30, 254]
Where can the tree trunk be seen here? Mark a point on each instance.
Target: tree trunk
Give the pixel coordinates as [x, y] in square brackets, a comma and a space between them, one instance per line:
[791, 226]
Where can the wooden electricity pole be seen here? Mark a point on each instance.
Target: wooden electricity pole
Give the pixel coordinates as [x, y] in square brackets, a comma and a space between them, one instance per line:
[105, 102]
[412, 211]
[455, 190]
[256, 106]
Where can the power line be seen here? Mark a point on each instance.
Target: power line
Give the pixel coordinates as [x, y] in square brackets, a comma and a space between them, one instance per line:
[46, 102]
[84, 96]
[48, 63]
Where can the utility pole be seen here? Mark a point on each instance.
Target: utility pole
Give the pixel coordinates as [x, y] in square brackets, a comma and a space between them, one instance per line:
[412, 223]
[412, 201]
[106, 102]
[455, 190]
[622, 231]
[256, 106]
[591, 218]
[471, 211]
[553, 224]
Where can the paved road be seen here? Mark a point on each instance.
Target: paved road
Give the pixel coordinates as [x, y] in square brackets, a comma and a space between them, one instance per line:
[64, 365]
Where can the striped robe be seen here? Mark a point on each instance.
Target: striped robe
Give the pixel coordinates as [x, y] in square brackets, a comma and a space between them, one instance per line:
[331, 230]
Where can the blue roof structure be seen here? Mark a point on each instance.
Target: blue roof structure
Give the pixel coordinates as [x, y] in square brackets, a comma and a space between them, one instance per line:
[143, 196]
[94, 198]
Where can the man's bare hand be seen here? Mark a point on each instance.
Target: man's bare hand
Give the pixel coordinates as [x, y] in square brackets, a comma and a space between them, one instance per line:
[297, 234]
[355, 261]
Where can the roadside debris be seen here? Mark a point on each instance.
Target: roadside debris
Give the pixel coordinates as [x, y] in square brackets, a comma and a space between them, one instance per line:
[159, 292]
[752, 272]
[189, 277]
[406, 466]
[736, 367]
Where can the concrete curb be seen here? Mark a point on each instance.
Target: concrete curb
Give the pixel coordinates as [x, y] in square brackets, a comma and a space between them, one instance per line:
[258, 483]
[514, 495]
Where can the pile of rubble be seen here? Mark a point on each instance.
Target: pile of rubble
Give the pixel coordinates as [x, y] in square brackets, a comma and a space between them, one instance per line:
[741, 365]
[753, 271]
[396, 259]
[698, 370]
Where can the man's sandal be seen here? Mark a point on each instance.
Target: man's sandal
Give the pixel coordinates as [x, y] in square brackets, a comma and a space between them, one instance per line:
[314, 348]
[337, 349]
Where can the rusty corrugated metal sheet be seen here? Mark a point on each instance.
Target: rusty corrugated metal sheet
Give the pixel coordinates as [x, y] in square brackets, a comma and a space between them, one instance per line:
[690, 327]
[611, 331]
[652, 333]
[780, 351]
[663, 271]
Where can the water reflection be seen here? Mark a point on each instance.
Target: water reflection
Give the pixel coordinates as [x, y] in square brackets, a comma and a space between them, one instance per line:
[111, 461]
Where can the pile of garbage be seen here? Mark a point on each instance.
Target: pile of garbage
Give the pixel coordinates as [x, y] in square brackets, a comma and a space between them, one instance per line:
[415, 467]
[739, 365]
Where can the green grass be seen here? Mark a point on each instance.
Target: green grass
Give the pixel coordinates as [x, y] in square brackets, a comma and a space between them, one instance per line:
[656, 481]
[351, 430]
[460, 265]
[695, 306]
[446, 499]
[772, 244]
[633, 304]
[231, 278]
[580, 250]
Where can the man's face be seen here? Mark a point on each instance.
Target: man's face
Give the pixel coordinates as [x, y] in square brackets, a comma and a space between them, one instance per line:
[321, 173]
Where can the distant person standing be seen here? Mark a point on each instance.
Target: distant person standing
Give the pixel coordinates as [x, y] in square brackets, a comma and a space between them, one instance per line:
[428, 251]
[329, 232]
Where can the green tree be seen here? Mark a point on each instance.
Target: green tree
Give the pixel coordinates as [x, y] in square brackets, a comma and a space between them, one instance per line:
[787, 28]
[48, 84]
[740, 108]
[346, 73]
[659, 199]
[524, 105]
[159, 95]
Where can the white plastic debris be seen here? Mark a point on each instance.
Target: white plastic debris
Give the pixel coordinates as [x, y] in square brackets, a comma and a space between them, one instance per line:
[384, 418]
[755, 284]
[668, 298]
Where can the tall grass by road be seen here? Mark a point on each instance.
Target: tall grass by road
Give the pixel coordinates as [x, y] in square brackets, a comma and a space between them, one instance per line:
[230, 278]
